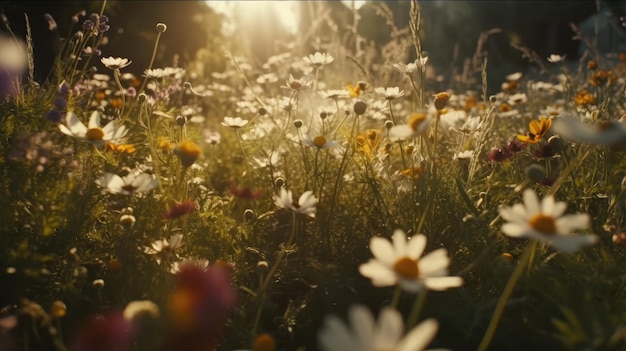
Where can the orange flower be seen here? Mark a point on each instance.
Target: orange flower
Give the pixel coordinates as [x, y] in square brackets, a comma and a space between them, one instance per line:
[537, 130]
[583, 98]
[120, 148]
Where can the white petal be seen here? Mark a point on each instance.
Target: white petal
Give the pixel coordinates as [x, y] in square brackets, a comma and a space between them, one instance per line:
[411, 285]
[514, 230]
[382, 250]
[401, 131]
[94, 120]
[443, 283]
[362, 323]
[380, 274]
[335, 336]
[399, 242]
[76, 127]
[389, 329]
[420, 336]
[416, 246]
[516, 213]
[559, 209]
[573, 243]
[531, 202]
[547, 205]
[571, 223]
[436, 261]
[112, 182]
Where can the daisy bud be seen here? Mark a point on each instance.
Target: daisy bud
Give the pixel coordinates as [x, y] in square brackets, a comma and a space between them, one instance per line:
[280, 182]
[161, 27]
[248, 214]
[493, 99]
[127, 211]
[441, 100]
[359, 107]
[535, 172]
[141, 98]
[323, 115]
[346, 112]
[297, 123]
[180, 120]
[262, 266]
[98, 283]
[262, 111]
[619, 239]
[388, 124]
[187, 85]
[127, 220]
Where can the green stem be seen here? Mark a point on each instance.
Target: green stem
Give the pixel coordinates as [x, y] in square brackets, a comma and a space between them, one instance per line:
[396, 297]
[418, 305]
[522, 265]
[154, 52]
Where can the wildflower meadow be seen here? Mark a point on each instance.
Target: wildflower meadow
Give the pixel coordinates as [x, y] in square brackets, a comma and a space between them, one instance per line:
[337, 196]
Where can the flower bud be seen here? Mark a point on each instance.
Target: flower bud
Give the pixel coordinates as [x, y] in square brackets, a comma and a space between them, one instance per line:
[248, 214]
[161, 27]
[98, 283]
[535, 172]
[297, 123]
[359, 107]
[262, 266]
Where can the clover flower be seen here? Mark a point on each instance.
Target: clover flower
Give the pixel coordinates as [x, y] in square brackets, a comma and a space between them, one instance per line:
[399, 262]
[545, 221]
[389, 93]
[305, 204]
[133, 183]
[93, 132]
[318, 59]
[365, 334]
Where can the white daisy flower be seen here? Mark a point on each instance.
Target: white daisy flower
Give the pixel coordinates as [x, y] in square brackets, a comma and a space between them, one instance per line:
[575, 130]
[234, 122]
[390, 93]
[556, 58]
[93, 132]
[297, 84]
[416, 125]
[115, 62]
[133, 183]
[305, 205]
[196, 262]
[398, 262]
[544, 221]
[334, 94]
[365, 334]
[318, 59]
[320, 142]
[165, 246]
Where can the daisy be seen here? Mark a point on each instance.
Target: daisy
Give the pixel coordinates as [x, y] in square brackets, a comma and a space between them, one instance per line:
[305, 205]
[320, 142]
[545, 221]
[390, 93]
[334, 94]
[234, 122]
[573, 129]
[133, 183]
[93, 133]
[297, 84]
[416, 125]
[318, 59]
[556, 58]
[366, 334]
[398, 262]
[164, 246]
[115, 62]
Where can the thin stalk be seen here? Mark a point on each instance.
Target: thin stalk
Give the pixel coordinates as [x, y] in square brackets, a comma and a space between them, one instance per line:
[418, 305]
[522, 265]
[154, 52]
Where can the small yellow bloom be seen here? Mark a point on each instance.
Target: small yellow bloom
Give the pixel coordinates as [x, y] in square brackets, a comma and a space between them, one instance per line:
[165, 144]
[413, 172]
[538, 128]
[188, 152]
[120, 148]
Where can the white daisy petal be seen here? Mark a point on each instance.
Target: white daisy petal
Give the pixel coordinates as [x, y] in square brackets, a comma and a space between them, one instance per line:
[382, 250]
[419, 337]
[532, 202]
[416, 246]
[380, 274]
[388, 329]
[573, 243]
[574, 222]
[443, 283]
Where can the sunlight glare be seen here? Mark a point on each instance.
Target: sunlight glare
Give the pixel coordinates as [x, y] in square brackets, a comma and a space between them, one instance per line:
[286, 11]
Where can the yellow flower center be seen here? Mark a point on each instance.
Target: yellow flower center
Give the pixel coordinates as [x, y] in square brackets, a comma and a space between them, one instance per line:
[319, 141]
[406, 268]
[264, 342]
[416, 120]
[543, 223]
[94, 134]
